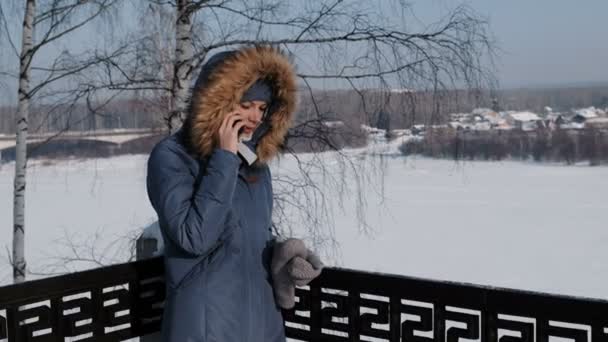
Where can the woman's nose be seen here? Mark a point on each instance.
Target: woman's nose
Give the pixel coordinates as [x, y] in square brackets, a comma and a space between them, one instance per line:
[256, 116]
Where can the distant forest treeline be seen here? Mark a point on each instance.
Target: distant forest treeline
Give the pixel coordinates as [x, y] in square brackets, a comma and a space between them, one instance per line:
[568, 146]
[397, 109]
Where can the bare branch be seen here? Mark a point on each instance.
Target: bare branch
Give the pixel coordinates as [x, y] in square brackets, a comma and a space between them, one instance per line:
[64, 14]
[7, 32]
[77, 253]
[324, 12]
[362, 75]
[297, 22]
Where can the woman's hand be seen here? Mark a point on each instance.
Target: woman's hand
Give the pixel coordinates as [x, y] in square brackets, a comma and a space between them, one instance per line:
[229, 131]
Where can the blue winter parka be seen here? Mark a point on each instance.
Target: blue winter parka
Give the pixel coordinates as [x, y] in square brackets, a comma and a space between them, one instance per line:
[215, 211]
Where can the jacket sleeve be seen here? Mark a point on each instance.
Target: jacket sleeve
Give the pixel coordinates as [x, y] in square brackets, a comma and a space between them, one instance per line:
[192, 216]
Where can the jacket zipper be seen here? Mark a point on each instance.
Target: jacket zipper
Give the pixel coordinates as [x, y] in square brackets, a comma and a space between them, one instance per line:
[249, 280]
[248, 257]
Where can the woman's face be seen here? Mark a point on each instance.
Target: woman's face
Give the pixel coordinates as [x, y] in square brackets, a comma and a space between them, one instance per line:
[253, 111]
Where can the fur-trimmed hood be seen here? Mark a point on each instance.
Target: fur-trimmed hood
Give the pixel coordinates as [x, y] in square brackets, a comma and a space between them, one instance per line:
[220, 87]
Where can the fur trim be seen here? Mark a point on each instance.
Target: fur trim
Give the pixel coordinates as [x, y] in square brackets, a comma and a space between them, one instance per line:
[225, 87]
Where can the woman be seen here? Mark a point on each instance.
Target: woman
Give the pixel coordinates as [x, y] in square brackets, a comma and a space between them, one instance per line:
[215, 208]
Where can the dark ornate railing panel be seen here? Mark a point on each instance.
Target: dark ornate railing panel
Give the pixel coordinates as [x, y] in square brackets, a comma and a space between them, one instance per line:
[124, 301]
[107, 304]
[346, 305]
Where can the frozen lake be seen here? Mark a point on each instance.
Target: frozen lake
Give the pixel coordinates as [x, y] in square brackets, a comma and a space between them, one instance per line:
[512, 224]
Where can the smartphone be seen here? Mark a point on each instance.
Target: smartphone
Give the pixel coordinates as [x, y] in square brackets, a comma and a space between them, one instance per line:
[246, 153]
[243, 150]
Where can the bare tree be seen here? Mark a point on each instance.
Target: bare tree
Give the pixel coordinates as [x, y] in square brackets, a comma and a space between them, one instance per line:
[343, 44]
[76, 252]
[184, 53]
[335, 44]
[27, 51]
[52, 20]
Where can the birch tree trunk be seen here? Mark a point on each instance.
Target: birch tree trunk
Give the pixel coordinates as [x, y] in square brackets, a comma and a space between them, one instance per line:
[21, 146]
[183, 64]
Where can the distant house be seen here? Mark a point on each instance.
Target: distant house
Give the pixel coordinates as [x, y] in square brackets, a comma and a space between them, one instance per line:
[554, 120]
[560, 120]
[458, 125]
[526, 121]
[486, 115]
[418, 129]
[481, 111]
[482, 126]
[493, 117]
[584, 114]
[454, 124]
[572, 125]
[600, 123]
[503, 126]
[460, 117]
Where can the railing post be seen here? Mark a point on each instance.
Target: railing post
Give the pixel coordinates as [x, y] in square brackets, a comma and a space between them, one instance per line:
[150, 244]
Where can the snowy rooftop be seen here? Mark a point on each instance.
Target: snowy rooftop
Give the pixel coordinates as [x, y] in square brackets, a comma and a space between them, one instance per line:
[524, 116]
[482, 111]
[587, 113]
[371, 129]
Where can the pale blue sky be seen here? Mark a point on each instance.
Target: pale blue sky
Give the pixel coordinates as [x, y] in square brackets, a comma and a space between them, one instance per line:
[543, 42]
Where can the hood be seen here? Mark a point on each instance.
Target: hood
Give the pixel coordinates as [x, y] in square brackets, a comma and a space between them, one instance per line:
[220, 86]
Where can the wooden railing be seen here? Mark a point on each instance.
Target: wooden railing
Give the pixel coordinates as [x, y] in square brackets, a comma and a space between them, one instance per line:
[123, 301]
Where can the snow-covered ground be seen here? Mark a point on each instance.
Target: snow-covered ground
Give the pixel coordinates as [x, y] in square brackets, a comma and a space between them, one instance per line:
[520, 225]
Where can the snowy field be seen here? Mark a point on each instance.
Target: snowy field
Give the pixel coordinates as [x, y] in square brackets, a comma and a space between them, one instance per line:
[512, 224]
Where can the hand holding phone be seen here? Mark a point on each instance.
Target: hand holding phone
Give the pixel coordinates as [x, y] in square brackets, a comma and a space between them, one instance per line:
[229, 131]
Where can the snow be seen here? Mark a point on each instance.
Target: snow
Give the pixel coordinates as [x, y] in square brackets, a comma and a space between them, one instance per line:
[482, 111]
[455, 124]
[587, 113]
[573, 125]
[401, 132]
[372, 130]
[482, 126]
[512, 224]
[524, 116]
[597, 121]
[529, 125]
[101, 202]
[419, 127]
[333, 124]
[401, 90]
[553, 116]
[460, 117]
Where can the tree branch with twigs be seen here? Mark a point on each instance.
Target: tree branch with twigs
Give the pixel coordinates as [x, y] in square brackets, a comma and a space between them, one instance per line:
[352, 43]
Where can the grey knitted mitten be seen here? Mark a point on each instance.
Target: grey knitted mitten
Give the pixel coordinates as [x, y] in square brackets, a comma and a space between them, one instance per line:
[292, 264]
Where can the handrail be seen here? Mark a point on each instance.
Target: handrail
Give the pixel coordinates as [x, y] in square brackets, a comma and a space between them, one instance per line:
[123, 301]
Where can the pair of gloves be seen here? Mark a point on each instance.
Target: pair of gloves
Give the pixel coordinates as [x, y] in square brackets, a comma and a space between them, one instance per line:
[292, 265]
